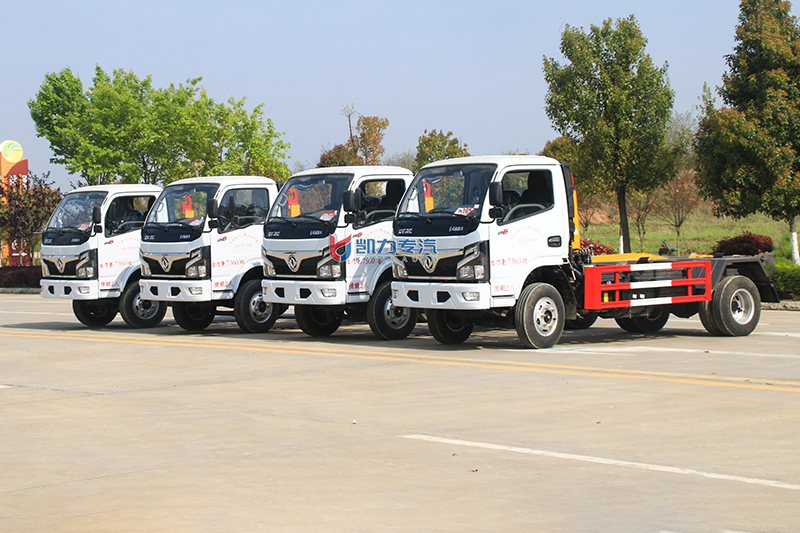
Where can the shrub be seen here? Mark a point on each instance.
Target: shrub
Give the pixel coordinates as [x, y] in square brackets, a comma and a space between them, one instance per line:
[787, 277]
[745, 244]
[20, 276]
[599, 248]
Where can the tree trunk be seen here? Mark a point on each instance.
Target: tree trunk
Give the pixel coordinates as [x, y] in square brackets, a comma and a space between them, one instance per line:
[793, 233]
[624, 230]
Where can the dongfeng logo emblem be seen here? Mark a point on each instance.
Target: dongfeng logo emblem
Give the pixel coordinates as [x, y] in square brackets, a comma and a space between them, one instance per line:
[429, 263]
[165, 263]
[60, 265]
[293, 263]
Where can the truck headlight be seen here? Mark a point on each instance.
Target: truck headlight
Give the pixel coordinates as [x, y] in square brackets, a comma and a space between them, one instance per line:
[145, 266]
[199, 263]
[86, 268]
[474, 265]
[328, 268]
[266, 264]
[399, 268]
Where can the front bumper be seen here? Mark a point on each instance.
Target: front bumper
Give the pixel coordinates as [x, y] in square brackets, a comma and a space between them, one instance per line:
[295, 292]
[74, 289]
[461, 296]
[181, 290]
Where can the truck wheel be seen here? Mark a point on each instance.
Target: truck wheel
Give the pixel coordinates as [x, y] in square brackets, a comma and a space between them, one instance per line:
[387, 321]
[93, 313]
[707, 318]
[651, 323]
[193, 316]
[252, 313]
[539, 316]
[736, 306]
[318, 320]
[448, 327]
[582, 322]
[138, 312]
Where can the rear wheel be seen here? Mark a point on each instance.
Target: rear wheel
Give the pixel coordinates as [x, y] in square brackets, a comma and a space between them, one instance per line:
[138, 312]
[93, 313]
[581, 322]
[707, 318]
[628, 324]
[736, 306]
[193, 316]
[448, 327]
[540, 316]
[386, 320]
[653, 322]
[252, 313]
[318, 320]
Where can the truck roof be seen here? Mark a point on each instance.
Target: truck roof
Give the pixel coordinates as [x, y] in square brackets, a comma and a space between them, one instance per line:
[499, 160]
[359, 170]
[118, 188]
[226, 180]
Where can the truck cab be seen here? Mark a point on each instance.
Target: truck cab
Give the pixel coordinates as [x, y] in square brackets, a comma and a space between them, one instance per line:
[90, 254]
[328, 246]
[200, 251]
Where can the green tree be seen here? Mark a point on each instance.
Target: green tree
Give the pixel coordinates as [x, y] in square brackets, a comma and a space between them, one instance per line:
[340, 155]
[438, 145]
[749, 149]
[615, 103]
[33, 199]
[363, 147]
[124, 129]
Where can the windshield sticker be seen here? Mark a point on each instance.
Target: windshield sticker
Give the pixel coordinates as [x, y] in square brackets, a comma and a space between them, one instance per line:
[466, 211]
[327, 215]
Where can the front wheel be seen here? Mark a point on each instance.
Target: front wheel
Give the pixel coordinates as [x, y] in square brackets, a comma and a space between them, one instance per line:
[318, 320]
[387, 321]
[193, 316]
[448, 327]
[540, 316]
[252, 313]
[138, 312]
[736, 306]
[93, 313]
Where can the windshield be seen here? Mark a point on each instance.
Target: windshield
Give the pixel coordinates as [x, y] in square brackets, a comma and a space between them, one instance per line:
[452, 189]
[182, 205]
[318, 197]
[75, 211]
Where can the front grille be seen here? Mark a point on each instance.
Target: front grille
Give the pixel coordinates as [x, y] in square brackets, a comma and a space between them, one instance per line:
[445, 269]
[177, 265]
[67, 270]
[307, 266]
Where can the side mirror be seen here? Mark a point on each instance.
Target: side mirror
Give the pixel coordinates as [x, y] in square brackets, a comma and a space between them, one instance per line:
[496, 194]
[351, 201]
[97, 216]
[213, 208]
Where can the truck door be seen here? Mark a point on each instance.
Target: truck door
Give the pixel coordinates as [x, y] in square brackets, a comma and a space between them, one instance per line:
[531, 231]
[119, 250]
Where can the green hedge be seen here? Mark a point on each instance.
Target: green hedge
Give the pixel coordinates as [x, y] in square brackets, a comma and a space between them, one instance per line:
[787, 277]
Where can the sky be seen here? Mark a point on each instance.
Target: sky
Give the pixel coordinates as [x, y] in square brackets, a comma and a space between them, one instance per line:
[473, 68]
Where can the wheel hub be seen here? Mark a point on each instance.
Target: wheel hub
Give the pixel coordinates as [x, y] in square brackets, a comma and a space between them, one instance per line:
[545, 317]
[396, 317]
[742, 306]
[260, 310]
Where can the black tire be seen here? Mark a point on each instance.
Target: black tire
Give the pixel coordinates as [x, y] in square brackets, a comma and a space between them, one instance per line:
[448, 327]
[653, 322]
[540, 316]
[318, 320]
[252, 313]
[707, 318]
[628, 324]
[736, 306]
[138, 312]
[582, 322]
[193, 316]
[385, 320]
[94, 313]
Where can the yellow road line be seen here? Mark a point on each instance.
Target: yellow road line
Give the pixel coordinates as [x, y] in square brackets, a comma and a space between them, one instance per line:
[441, 360]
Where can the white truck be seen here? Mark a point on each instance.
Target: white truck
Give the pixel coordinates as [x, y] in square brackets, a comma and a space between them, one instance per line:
[200, 251]
[493, 241]
[90, 254]
[328, 247]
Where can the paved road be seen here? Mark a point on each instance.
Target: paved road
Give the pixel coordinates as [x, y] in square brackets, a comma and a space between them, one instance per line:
[160, 430]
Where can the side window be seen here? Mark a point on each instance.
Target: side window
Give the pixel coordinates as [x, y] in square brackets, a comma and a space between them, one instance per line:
[243, 207]
[526, 193]
[127, 213]
[379, 199]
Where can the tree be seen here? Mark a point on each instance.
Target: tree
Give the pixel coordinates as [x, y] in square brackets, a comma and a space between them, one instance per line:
[405, 159]
[33, 200]
[124, 129]
[362, 147]
[749, 149]
[679, 199]
[340, 155]
[438, 145]
[615, 103]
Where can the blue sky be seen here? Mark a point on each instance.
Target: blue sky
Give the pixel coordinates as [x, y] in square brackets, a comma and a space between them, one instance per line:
[474, 68]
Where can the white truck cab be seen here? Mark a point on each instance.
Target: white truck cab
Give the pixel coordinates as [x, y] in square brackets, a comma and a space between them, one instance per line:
[328, 247]
[90, 254]
[200, 251]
